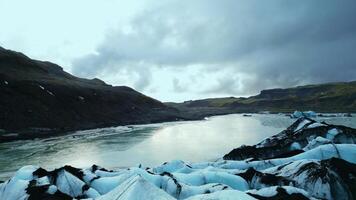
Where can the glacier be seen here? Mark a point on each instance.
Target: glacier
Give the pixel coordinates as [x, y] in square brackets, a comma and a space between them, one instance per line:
[308, 160]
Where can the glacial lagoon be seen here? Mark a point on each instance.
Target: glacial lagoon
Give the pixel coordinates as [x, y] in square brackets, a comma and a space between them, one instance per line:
[148, 145]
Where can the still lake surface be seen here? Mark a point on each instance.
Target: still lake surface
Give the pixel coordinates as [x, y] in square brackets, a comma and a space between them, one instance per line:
[149, 145]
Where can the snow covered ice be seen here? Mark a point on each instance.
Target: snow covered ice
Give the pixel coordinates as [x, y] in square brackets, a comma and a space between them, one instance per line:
[308, 160]
[298, 114]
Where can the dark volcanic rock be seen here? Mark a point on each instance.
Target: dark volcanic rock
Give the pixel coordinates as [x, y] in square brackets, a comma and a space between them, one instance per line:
[281, 194]
[39, 97]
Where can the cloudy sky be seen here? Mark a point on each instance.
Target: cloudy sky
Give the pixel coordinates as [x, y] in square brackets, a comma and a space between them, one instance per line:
[176, 50]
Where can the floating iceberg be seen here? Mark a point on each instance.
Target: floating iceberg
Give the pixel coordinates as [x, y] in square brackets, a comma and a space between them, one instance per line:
[310, 114]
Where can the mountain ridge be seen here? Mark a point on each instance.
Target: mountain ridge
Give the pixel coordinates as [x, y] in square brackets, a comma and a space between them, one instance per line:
[327, 97]
[39, 98]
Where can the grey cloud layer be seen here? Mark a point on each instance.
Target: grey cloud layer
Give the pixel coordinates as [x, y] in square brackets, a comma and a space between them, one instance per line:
[260, 44]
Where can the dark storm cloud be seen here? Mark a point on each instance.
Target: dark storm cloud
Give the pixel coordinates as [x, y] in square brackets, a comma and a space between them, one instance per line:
[274, 43]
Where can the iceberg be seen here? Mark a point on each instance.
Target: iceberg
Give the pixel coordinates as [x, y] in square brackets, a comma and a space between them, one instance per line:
[136, 188]
[310, 114]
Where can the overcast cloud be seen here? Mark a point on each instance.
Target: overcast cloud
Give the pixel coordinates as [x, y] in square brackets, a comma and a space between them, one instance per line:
[181, 49]
[237, 47]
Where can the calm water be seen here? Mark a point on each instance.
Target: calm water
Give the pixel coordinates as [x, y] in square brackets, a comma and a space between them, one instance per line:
[149, 145]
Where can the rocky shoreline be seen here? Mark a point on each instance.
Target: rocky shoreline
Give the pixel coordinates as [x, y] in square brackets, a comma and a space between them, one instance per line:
[308, 160]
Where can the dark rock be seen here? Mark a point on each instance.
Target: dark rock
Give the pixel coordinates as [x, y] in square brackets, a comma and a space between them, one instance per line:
[254, 177]
[40, 193]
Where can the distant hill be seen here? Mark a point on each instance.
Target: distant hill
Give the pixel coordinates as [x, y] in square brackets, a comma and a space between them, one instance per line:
[329, 97]
[40, 98]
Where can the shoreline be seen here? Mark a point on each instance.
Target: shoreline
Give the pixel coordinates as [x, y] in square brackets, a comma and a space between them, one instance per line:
[42, 133]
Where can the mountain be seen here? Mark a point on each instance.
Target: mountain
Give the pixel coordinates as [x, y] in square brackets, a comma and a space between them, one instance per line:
[329, 97]
[40, 98]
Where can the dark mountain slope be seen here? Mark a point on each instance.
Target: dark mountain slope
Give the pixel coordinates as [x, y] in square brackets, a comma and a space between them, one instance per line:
[330, 97]
[40, 97]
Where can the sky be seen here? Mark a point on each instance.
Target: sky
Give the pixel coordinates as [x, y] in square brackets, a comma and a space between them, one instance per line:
[177, 50]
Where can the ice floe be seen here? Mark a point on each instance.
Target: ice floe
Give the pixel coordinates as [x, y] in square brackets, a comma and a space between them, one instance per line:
[298, 114]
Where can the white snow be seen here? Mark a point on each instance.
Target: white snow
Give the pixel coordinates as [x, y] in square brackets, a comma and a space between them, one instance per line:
[41, 87]
[272, 191]
[316, 124]
[91, 193]
[301, 125]
[43, 181]
[106, 184]
[310, 114]
[52, 189]
[69, 184]
[136, 188]
[295, 146]
[343, 151]
[170, 166]
[49, 92]
[266, 192]
[332, 133]
[297, 114]
[316, 142]
[15, 189]
[25, 173]
[223, 195]
[204, 177]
